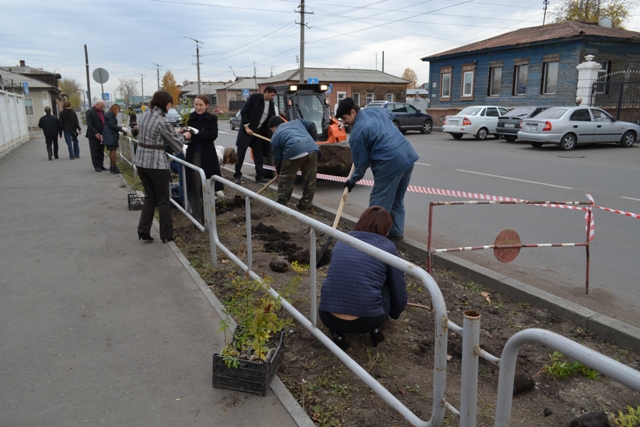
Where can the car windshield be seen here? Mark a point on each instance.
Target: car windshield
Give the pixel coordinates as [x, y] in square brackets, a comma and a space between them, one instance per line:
[552, 113]
[520, 112]
[470, 111]
[309, 107]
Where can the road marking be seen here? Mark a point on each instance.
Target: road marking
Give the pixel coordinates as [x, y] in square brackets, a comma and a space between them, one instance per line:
[515, 179]
[423, 164]
[630, 198]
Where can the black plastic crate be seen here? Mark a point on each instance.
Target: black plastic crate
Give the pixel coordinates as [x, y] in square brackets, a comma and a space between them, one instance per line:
[135, 202]
[250, 377]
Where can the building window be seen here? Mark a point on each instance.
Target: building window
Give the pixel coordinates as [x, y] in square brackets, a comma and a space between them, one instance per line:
[520, 75]
[356, 98]
[369, 98]
[550, 77]
[445, 83]
[389, 97]
[341, 96]
[28, 106]
[602, 87]
[467, 84]
[495, 81]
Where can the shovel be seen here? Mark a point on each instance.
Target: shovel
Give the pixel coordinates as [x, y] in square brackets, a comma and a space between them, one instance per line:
[267, 184]
[335, 222]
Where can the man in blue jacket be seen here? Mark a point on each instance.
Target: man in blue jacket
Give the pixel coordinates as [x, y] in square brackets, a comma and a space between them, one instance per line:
[294, 148]
[375, 142]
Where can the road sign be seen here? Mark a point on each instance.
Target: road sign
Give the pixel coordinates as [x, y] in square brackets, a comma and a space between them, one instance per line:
[330, 89]
[245, 93]
[105, 97]
[100, 75]
[313, 81]
[25, 88]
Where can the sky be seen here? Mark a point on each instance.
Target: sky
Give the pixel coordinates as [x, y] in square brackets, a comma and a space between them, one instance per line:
[128, 37]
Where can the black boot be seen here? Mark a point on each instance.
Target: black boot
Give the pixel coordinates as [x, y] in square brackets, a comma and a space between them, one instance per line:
[339, 340]
[376, 337]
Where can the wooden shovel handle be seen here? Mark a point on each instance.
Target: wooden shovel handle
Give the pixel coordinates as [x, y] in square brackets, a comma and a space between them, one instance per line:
[261, 137]
[267, 184]
[344, 199]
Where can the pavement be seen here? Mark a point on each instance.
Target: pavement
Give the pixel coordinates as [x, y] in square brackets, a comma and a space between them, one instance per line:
[99, 328]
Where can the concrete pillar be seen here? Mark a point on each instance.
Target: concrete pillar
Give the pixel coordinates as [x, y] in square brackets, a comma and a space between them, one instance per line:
[587, 76]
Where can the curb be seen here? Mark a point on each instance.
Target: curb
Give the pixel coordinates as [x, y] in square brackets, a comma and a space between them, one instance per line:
[606, 327]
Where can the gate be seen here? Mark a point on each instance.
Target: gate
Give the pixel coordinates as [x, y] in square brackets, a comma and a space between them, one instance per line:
[619, 94]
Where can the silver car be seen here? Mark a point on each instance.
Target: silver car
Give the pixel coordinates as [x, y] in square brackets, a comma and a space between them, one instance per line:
[568, 126]
[479, 121]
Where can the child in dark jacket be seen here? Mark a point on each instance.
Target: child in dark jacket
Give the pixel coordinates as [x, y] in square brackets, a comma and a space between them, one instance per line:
[361, 292]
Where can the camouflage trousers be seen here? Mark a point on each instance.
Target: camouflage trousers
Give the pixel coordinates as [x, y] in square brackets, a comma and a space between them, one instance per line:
[287, 179]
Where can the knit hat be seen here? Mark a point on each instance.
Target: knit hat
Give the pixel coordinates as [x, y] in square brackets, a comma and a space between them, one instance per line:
[345, 107]
[275, 121]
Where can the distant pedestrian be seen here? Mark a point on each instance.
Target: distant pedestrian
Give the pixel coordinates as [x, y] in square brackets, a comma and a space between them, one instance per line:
[294, 149]
[51, 128]
[376, 142]
[255, 114]
[133, 119]
[111, 136]
[71, 129]
[95, 127]
[153, 166]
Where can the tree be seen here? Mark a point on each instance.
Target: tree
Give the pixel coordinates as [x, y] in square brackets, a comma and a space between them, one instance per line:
[169, 84]
[128, 88]
[73, 90]
[410, 75]
[593, 10]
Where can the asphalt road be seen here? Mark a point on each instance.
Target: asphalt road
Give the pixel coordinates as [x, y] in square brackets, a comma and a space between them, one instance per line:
[495, 167]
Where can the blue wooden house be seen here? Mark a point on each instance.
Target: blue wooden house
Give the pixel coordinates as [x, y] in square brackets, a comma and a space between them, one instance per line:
[530, 66]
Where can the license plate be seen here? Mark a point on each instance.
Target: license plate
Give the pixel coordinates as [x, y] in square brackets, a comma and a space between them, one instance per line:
[509, 125]
[454, 122]
[531, 127]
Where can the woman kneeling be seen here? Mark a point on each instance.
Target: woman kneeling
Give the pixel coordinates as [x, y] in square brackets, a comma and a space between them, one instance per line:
[360, 291]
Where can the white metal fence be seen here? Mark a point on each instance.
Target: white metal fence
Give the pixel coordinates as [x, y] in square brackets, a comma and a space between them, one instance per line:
[13, 122]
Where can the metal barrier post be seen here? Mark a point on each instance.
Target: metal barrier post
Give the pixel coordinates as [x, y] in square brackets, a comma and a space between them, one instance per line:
[313, 284]
[248, 224]
[601, 363]
[469, 385]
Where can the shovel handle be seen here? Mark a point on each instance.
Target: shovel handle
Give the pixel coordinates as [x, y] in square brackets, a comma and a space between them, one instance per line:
[261, 137]
[344, 199]
[267, 184]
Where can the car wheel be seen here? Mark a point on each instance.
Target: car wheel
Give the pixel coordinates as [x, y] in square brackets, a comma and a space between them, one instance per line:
[536, 144]
[456, 135]
[568, 142]
[232, 126]
[482, 134]
[397, 126]
[510, 138]
[628, 139]
[427, 127]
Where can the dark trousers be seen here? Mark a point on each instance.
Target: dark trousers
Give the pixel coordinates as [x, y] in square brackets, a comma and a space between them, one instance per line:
[361, 325]
[97, 153]
[52, 140]
[287, 179]
[260, 148]
[157, 191]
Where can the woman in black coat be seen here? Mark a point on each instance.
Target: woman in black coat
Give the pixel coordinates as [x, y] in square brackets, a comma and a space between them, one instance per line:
[111, 136]
[201, 152]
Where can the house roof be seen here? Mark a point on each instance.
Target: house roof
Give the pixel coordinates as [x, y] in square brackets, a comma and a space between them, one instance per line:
[525, 36]
[7, 76]
[205, 89]
[336, 75]
[245, 83]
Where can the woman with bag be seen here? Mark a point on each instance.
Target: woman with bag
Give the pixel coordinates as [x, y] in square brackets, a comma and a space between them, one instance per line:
[71, 128]
[111, 136]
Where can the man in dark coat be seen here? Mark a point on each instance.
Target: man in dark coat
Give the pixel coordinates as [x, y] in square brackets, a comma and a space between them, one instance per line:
[95, 126]
[51, 128]
[255, 114]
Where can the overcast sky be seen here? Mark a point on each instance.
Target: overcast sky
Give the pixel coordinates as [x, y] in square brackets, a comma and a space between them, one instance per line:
[126, 37]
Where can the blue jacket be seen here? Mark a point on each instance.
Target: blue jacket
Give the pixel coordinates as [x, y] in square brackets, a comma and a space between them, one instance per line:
[292, 139]
[111, 129]
[354, 281]
[376, 142]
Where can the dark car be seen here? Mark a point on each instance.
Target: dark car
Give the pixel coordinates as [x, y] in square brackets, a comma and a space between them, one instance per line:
[235, 121]
[406, 116]
[509, 124]
[174, 117]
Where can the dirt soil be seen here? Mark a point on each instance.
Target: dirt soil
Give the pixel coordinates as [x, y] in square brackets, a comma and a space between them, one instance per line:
[403, 363]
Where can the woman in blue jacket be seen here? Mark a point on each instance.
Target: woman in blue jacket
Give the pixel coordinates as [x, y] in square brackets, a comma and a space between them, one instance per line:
[111, 136]
[361, 292]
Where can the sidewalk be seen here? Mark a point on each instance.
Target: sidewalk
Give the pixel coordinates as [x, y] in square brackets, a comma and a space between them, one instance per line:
[97, 327]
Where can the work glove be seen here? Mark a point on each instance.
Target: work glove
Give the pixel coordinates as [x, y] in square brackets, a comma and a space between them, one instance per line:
[193, 130]
[349, 185]
[219, 194]
[126, 129]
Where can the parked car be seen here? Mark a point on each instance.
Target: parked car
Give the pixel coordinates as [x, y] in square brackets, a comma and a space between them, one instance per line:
[405, 116]
[174, 117]
[509, 125]
[479, 121]
[568, 126]
[235, 121]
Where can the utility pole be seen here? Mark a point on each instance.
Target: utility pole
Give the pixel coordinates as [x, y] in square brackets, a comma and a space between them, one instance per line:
[302, 25]
[544, 7]
[142, 87]
[86, 59]
[383, 61]
[158, 72]
[198, 58]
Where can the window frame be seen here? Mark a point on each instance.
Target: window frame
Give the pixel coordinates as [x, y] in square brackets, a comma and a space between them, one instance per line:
[28, 106]
[545, 76]
[370, 97]
[389, 97]
[491, 86]
[356, 98]
[516, 78]
[445, 74]
[468, 70]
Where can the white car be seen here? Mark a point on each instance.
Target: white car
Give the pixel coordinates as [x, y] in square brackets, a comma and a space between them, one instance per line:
[479, 121]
